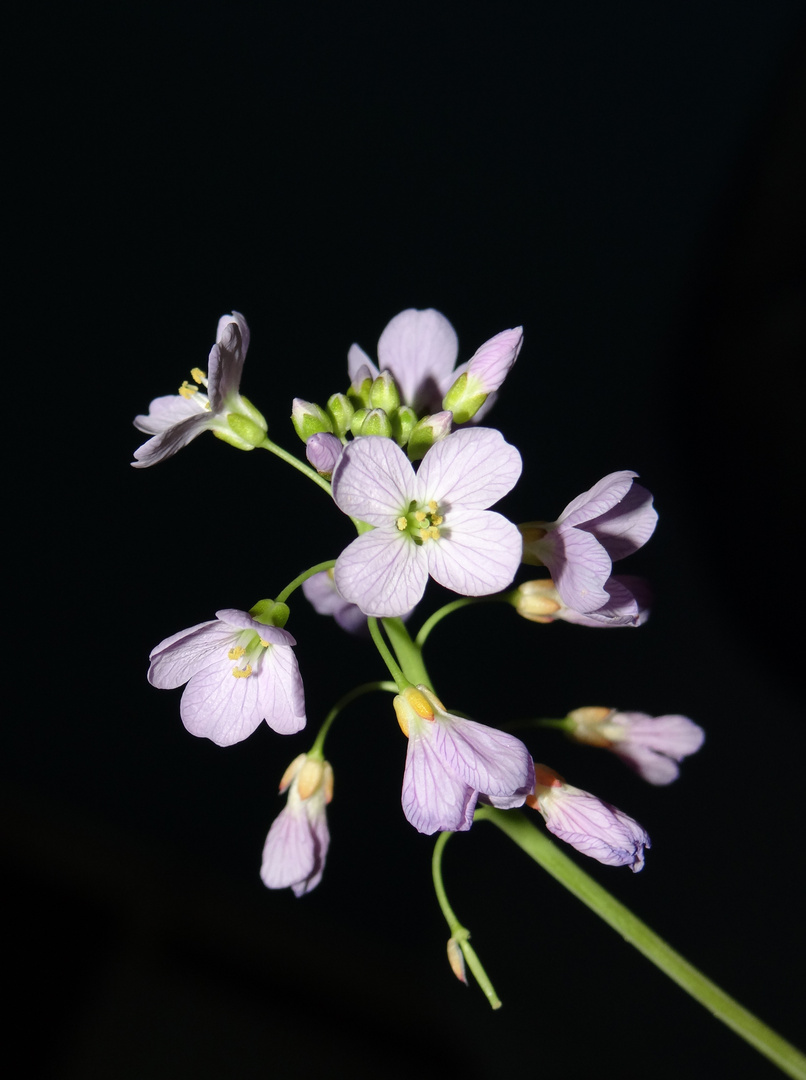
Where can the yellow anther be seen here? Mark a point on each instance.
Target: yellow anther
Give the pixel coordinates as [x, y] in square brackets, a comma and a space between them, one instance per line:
[433, 532]
[242, 673]
[437, 519]
[236, 652]
[420, 515]
[198, 375]
[310, 777]
[265, 644]
[432, 506]
[420, 703]
[187, 391]
[402, 524]
[424, 534]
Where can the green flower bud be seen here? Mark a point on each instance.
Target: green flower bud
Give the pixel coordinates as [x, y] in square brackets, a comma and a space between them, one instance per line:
[357, 422]
[359, 393]
[384, 393]
[340, 410]
[428, 431]
[403, 421]
[309, 419]
[244, 433]
[465, 398]
[376, 422]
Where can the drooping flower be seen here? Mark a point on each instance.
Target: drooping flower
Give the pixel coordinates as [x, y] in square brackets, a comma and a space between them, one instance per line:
[176, 419]
[591, 826]
[539, 601]
[420, 349]
[451, 761]
[296, 847]
[321, 592]
[651, 745]
[433, 522]
[609, 522]
[238, 672]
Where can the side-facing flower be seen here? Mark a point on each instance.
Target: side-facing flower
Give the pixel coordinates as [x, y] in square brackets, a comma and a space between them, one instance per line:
[433, 522]
[321, 593]
[539, 601]
[296, 847]
[238, 672]
[451, 761]
[591, 826]
[420, 349]
[176, 419]
[651, 745]
[609, 522]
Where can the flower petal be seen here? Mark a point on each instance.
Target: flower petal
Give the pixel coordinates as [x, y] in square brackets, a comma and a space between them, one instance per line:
[579, 567]
[295, 850]
[626, 527]
[477, 554]
[167, 442]
[474, 467]
[225, 362]
[491, 761]
[281, 700]
[420, 349]
[373, 481]
[603, 496]
[220, 707]
[164, 412]
[177, 659]
[383, 572]
[433, 798]
[356, 359]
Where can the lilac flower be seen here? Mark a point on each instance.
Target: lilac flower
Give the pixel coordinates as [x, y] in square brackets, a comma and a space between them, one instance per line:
[238, 672]
[434, 522]
[420, 349]
[296, 847]
[628, 605]
[175, 420]
[608, 522]
[651, 745]
[321, 592]
[451, 761]
[323, 451]
[591, 826]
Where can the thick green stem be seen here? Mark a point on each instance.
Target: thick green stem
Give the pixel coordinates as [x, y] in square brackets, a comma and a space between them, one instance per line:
[407, 651]
[538, 846]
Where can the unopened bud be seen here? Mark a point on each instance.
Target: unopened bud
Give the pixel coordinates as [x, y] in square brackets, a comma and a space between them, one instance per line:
[384, 393]
[340, 410]
[309, 419]
[456, 960]
[428, 431]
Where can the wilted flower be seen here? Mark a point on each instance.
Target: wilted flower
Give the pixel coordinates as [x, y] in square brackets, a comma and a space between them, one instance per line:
[434, 522]
[591, 826]
[451, 761]
[420, 349]
[296, 847]
[238, 672]
[176, 419]
[628, 605]
[602, 525]
[652, 745]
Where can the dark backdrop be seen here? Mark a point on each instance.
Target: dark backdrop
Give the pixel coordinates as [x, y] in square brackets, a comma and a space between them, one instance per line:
[627, 183]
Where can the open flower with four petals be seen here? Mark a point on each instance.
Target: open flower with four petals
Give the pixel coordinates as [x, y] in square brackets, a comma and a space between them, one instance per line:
[433, 522]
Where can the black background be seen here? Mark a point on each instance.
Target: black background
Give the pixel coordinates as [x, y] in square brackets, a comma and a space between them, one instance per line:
[624, 180]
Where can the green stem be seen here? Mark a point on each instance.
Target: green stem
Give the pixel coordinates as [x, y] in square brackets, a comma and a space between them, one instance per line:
[295, 584]
[459, 934]
[407, 651]
[289, 458]
[439, 615]
[394, 669]
[317, 750]
[538, 846]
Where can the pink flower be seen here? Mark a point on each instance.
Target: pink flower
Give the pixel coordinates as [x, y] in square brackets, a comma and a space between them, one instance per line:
[451, 761]
[296, 847]
[238, 672]
[539, 601]
[651, 745]
[432, 522]
[609, 522]
[591, 826]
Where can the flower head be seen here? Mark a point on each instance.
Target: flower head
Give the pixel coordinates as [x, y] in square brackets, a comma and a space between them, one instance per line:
[296, 847]
[651, 745]
[420, 349]
[613, 519]
[238, 672]
[176, 419]
[539, 601]
[591, 826]
[432, 522]
[451, 761]
[321, 592]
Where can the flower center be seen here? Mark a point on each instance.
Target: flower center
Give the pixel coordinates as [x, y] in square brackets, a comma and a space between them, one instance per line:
[191, 393]
[422, 523]
[248, 648]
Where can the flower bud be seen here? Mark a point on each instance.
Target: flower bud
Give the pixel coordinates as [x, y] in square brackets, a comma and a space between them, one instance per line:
[428, 431]
[309, 419]
[323, 452]
[340, 410]
[372, 422]
[384, 393]
[244, 433]
[403, 422]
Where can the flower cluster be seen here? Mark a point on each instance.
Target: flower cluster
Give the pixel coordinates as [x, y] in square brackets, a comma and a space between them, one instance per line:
[403, 455]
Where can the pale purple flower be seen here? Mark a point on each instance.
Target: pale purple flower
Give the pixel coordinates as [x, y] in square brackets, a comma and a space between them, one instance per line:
[323, 451]
[296, 847]
[432, 522]
[451, 762]
[238, 672]
[176, 419]
[651, 745]
[609, 522]
[539, 601]
[321, 592]
[586, 823]
[420, 349]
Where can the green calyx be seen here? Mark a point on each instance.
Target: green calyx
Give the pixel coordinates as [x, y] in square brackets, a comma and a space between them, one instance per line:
[270, 613]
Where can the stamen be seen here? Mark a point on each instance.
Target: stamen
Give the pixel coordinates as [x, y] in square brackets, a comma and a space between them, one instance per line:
[265, 644]
[242, 673]
[187, 391]
[420, 515]
[236, 652]
[402, 524]
[198, 375]
[432, 506]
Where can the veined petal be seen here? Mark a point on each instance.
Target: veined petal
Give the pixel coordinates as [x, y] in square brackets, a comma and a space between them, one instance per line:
[164, 412]
[474, 467]
[420, 349]
[478, 552]
[170, 440]
[177, 659]
[295, 850]
[627, 526]
[383, 572]
[220, 707]
[373, 481]
[603, 496]
[491, 761]
[356, 359]
[225, 363]
[280, 690]
[579, 566]
[434, 799]
[492, 361]
[654, 768]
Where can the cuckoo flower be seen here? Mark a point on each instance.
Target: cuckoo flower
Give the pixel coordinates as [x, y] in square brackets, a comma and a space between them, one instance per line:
[420, 349]
[432, 522]
[238, 672]
[321, 593]
[175, 420]
[296, 847]
[613, 519]
[591, 826]
[651, 745]
[451, 761]
[540, 602]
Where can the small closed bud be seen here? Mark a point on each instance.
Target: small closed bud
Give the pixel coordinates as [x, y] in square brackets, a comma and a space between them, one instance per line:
[340, 410]
[375, 422]
[404, 420]
[538, 600]
[360, 388]
[428, 431]
[323, 452]
[309, 419]
[456, 960]
[384, 393]
[244, 433]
